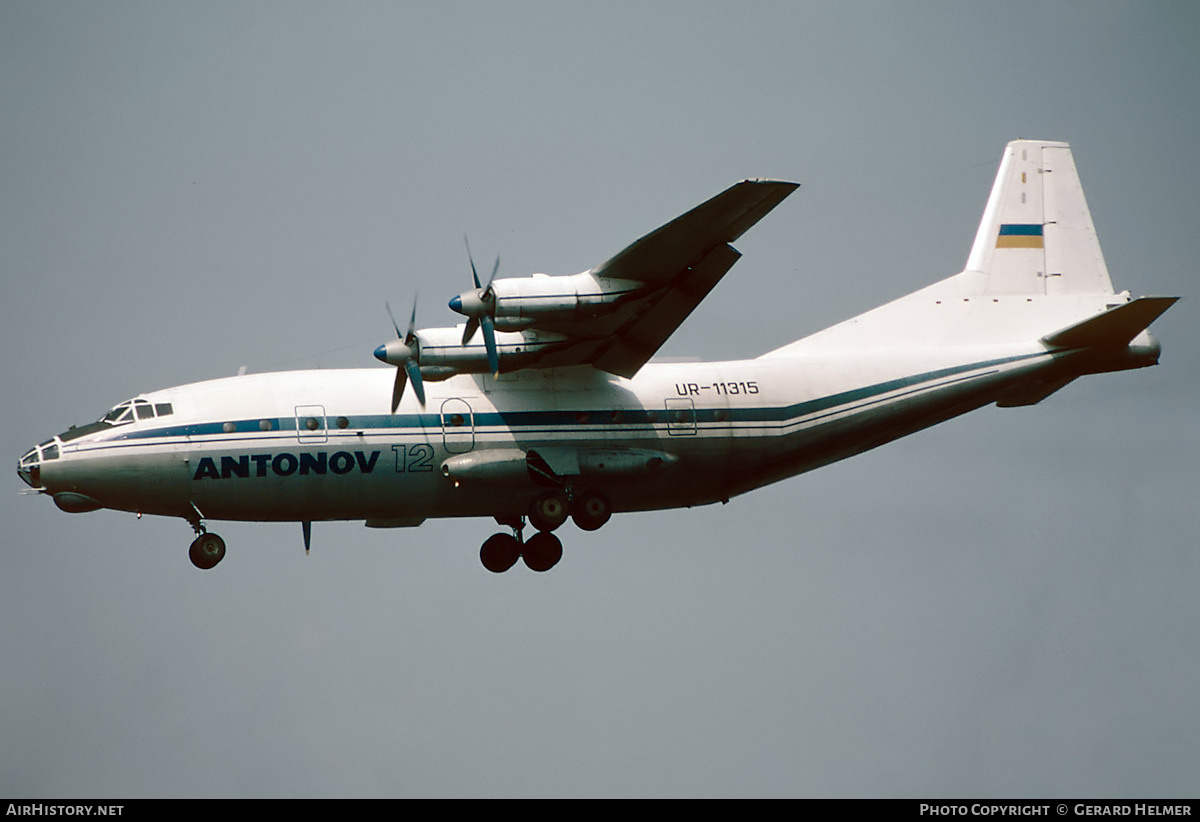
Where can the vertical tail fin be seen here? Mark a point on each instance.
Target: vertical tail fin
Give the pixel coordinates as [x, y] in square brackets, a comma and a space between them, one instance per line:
[1037, 235]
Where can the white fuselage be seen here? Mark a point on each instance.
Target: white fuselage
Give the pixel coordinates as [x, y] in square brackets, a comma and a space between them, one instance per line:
[321, 445]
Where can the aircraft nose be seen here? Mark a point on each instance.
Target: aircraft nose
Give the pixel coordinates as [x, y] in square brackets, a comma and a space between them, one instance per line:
[29, 476]
[456, 303]
[29, 469]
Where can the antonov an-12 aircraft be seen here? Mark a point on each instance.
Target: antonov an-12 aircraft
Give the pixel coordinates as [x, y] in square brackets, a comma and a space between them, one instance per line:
[543, 406]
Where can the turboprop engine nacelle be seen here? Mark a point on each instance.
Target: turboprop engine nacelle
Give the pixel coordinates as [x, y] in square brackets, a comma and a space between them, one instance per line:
[516, 303]
[441, 352]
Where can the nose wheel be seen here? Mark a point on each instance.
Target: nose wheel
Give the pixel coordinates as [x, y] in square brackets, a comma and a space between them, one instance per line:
[206, 551]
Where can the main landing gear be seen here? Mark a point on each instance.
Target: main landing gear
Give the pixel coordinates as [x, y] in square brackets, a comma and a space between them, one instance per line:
[543, 550]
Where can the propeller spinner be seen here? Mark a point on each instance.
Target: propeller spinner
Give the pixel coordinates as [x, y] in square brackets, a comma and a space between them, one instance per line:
[479, 307]
[404, 352]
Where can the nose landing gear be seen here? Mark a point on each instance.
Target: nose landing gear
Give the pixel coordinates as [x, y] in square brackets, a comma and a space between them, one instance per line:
[206, 549]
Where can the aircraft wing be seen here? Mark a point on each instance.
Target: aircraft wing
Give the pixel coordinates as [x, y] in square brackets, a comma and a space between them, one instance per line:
[666, 253]
[682, 261]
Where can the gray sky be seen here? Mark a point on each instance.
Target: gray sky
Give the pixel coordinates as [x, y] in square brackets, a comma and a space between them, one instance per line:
[1004, 605]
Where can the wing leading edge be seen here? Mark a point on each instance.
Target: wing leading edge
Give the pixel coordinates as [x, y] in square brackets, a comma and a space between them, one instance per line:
[666, 252]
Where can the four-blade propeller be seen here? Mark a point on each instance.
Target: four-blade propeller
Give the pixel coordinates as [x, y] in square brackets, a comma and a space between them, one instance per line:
[478, 307]
[404, 352]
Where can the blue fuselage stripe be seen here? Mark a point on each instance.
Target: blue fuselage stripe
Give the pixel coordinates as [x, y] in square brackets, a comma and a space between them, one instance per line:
[621, 419]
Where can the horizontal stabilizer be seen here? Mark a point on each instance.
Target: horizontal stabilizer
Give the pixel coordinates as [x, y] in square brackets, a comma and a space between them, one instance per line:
[1117, 326]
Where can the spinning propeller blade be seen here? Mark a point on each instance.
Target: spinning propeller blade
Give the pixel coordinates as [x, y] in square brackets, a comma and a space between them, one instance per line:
[489, 341]
[405, 354]
[482, 314]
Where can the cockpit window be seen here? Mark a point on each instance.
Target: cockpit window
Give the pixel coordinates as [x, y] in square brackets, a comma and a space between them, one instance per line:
[49, 451]
[120, 415]
[136, 409]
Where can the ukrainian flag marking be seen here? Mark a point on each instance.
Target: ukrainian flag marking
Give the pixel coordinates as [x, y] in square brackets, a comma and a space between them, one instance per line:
[1020, 235]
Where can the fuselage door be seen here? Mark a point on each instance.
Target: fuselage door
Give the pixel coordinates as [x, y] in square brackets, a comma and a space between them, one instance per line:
[681, 417]
[310, 423]
[458, 426]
